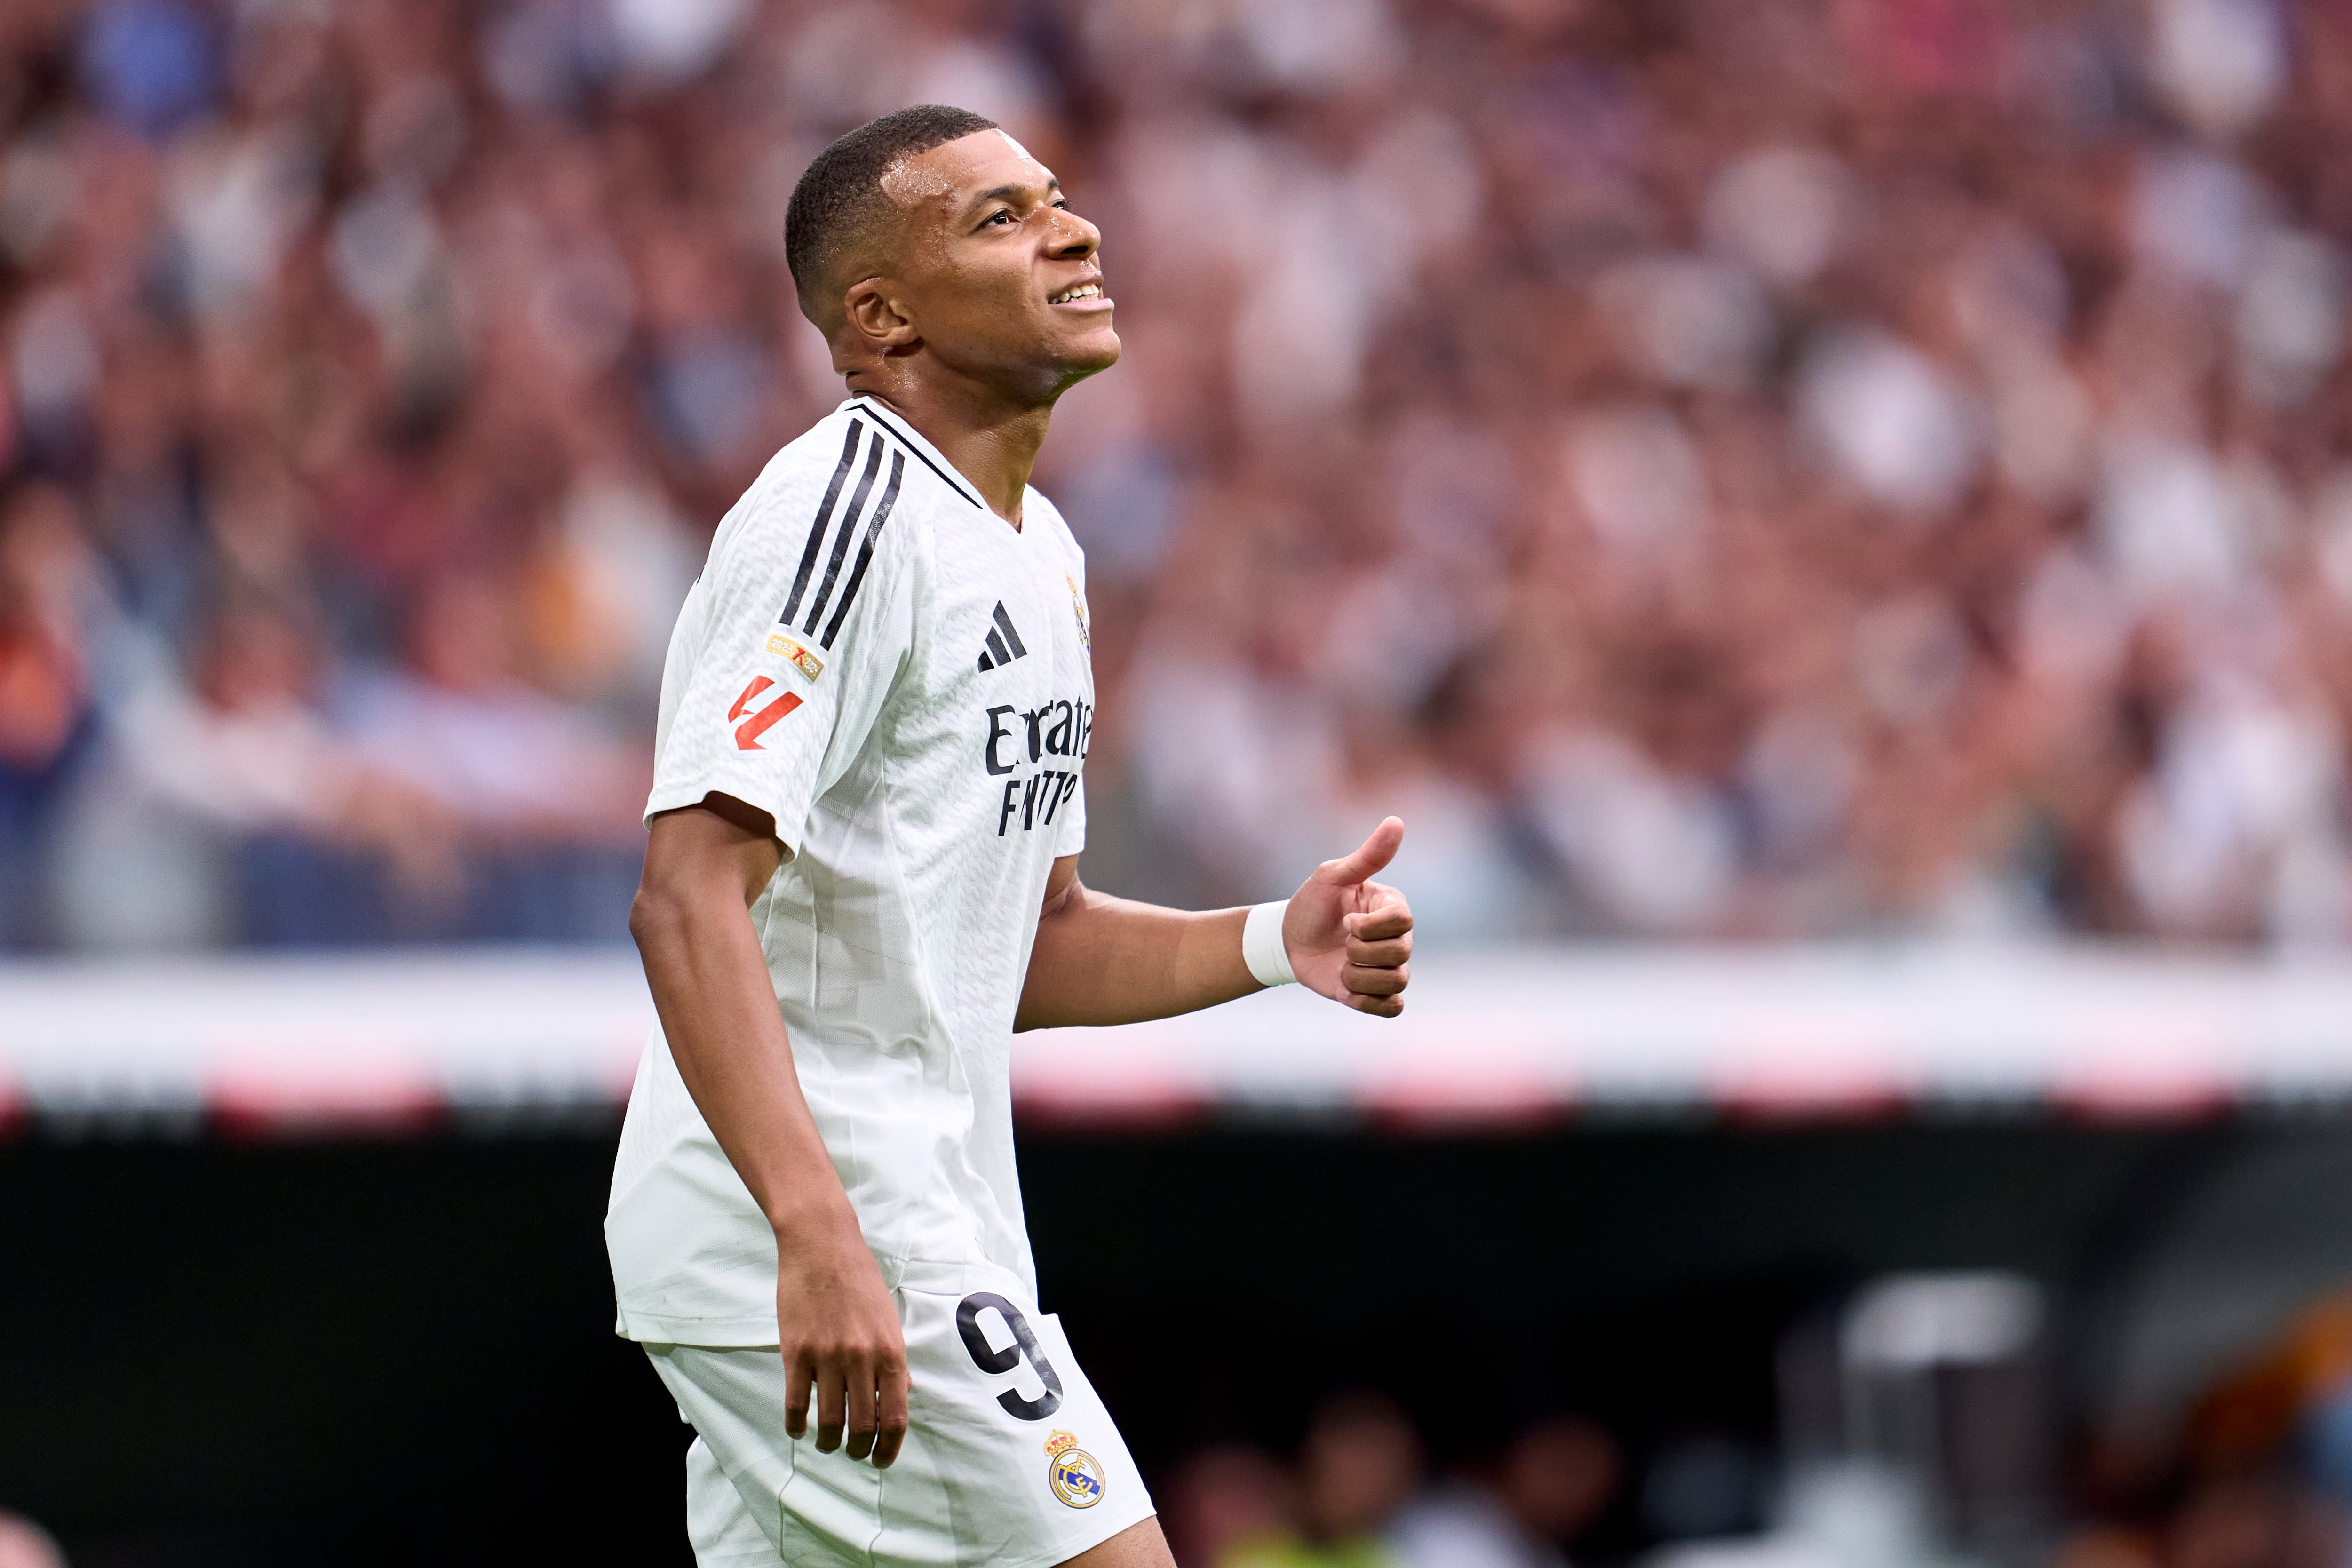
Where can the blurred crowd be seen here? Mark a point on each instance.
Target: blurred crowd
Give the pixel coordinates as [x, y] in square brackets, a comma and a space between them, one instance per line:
[2255, 1472]
[1716, 468]
[2258, 1475]
[1356, 1495]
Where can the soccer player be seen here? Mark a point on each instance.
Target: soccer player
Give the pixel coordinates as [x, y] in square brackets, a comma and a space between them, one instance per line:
[862, 878]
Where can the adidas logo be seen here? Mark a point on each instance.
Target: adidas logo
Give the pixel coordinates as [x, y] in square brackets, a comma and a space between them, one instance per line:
[1004, 642]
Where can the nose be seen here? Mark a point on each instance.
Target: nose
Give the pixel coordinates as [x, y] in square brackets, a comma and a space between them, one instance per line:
[1072, 237]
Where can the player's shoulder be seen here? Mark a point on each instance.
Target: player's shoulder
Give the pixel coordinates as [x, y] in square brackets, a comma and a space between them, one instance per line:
[928, 481]
[859, 479]
[784, 497]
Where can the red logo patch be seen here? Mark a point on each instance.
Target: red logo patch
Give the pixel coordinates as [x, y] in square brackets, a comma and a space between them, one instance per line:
[748, 733]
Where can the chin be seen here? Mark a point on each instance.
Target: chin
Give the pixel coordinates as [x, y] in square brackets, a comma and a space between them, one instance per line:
[1097, 351]
[1060, 362]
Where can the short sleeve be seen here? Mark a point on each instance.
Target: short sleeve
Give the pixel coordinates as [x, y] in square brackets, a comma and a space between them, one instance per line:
[803, 626]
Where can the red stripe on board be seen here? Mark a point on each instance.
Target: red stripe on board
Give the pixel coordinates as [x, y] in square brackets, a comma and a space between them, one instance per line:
[338, 1088]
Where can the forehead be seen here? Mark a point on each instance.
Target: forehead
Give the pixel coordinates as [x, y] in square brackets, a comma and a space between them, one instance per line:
[958, 172]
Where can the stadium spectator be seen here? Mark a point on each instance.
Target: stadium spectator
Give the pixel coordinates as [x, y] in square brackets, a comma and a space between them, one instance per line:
[1359, 1465]
[46, 707]
[1226, 1504]
[1526, 1508]
[2256, 1476]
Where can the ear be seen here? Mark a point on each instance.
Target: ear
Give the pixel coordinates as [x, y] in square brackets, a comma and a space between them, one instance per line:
[877, 320]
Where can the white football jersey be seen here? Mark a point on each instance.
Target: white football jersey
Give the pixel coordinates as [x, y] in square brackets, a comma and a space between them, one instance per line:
[903, 681]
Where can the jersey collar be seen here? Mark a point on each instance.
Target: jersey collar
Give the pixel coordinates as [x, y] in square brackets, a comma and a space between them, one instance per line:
[925, 453]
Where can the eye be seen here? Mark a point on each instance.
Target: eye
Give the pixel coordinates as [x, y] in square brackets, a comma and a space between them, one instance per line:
[1003, 213]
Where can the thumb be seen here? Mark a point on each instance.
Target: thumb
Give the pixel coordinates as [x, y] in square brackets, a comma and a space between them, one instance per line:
[1370, 856]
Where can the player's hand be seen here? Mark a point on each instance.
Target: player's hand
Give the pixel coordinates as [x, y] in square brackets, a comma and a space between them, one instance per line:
[1350, 938]
[842, 1341]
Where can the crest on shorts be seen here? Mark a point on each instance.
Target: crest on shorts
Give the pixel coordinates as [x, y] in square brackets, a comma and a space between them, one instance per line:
[805, 662]
[1072, 1472]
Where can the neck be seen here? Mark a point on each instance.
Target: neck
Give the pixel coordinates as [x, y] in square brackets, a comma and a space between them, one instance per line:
[990, 438]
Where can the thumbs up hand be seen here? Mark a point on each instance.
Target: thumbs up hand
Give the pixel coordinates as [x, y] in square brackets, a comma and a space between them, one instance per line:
[1348, 937]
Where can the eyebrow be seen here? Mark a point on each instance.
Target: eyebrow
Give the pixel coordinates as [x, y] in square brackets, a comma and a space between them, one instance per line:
[1004, 193]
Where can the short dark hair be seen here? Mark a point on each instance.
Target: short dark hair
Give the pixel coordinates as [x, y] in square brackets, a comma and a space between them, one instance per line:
[840, 192]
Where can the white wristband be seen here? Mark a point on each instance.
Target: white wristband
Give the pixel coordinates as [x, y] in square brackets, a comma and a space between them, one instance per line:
[1262, 947]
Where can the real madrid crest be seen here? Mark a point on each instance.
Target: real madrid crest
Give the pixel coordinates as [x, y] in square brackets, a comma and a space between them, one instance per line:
[1078, 608]
[1072, 1472]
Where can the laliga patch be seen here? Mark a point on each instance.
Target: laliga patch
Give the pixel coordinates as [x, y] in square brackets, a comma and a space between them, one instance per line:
[748, 733]
[1078, 608]
[1072, 1472]
[802, 659]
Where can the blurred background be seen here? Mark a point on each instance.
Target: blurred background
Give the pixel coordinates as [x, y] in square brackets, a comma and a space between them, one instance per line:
[1830, 520]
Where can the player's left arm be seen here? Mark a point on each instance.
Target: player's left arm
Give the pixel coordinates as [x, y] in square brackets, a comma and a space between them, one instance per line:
[1101, 960]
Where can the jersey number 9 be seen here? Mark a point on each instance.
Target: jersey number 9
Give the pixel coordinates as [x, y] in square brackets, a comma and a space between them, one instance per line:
[989, 1359]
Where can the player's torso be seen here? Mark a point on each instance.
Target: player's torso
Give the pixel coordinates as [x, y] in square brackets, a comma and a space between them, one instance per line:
[956, 696]
[899, 937]
[931, 850]
[998, 711]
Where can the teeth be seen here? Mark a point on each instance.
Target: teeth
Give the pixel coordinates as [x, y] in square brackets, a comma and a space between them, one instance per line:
[1077, 291]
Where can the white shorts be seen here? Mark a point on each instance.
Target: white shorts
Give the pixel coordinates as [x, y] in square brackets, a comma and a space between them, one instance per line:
[1010, 1459]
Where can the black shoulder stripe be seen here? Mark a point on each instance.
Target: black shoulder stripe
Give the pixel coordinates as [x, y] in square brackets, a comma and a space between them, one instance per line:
[865, 548]
[823, 516]
[841, 536]
[961, 488]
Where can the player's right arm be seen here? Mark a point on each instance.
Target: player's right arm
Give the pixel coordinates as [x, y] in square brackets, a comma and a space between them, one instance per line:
[837, 1329]
[783, 656]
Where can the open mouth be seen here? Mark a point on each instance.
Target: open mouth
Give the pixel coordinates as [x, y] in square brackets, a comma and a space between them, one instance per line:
[1077, 292]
